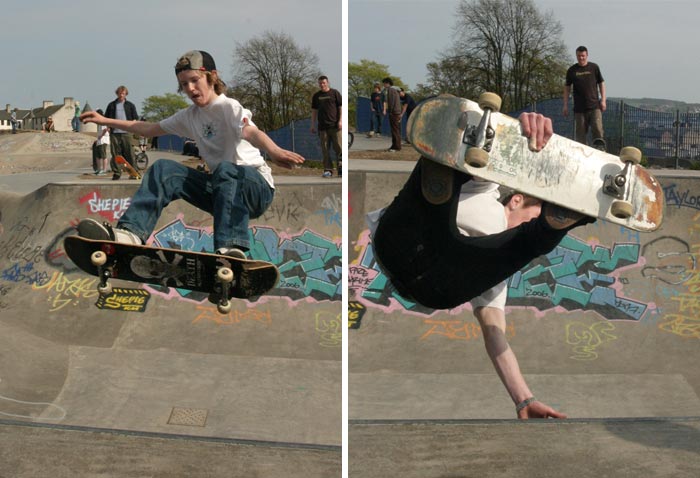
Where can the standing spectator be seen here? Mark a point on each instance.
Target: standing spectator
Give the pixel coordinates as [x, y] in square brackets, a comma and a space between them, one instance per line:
[586, 79]
[408, 104]
[392, 106]
[13, 121]
[100, 149]
[326, 112]
[120, 140]
[75, 122]
[376, 117]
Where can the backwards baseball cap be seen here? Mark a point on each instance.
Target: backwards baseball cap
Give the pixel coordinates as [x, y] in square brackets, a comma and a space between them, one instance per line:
[195, 60]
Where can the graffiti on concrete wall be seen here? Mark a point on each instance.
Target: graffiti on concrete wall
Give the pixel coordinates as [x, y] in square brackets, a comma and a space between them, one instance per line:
[310, 264]
[111, 209]
[677, 265]
[574, 276]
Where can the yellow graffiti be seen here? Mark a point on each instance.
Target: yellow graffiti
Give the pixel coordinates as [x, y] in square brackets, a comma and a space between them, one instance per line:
[355, 313]
[681, 325]
[63, 291]
[459, 330]
[686, 323]
[211, 314]
[585, 340]
[329, 328]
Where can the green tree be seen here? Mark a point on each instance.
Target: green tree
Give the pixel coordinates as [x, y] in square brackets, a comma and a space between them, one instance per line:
[508, 47]
[275, 78]
[362, 77]
[156, 108]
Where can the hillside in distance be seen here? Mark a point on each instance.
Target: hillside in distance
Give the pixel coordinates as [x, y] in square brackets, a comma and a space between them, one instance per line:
[661, 105]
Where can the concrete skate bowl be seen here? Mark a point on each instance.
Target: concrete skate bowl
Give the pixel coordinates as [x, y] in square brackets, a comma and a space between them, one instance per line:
[606, 329]
[156, 359]
[605, 326]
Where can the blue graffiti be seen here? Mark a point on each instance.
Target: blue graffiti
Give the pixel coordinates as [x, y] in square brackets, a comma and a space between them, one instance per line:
[575, 276]
[679, 199]
[310, 265]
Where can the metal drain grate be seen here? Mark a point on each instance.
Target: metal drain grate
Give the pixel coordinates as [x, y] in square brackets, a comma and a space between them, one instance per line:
[190, 417]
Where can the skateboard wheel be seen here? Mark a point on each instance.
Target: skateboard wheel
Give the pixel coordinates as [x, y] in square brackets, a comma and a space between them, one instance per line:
[477, 157]
[98, 258]
[225, 274]
[630, 154]
[224, 307]
[621, 209]
[491, 101]
[104, 289]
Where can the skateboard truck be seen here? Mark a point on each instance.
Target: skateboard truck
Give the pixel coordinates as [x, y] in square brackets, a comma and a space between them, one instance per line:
[99, 259]
[225, 278]
[617, 185]
[480, 138]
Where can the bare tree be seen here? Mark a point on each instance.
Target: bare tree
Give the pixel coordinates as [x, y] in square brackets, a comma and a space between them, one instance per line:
[505, 46]
[274, 78]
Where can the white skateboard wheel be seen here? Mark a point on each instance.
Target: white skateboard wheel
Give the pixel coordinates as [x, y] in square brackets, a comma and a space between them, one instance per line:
[98, 258]
[621, 209]
[477, 157]
[630, 154]
[225, 274]
[224, 307]
[104, 290]
[491, 101]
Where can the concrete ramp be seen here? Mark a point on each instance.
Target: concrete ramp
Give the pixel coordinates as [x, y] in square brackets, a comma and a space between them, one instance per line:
[606, 329]
[547, 449]
[161, 360]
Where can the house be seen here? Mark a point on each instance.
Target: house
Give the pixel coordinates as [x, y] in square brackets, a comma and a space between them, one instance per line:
[21, 115]
[35, 119]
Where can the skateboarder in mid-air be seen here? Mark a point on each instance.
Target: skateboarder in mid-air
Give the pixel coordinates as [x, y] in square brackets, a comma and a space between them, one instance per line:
[240, 185]
[443, 255]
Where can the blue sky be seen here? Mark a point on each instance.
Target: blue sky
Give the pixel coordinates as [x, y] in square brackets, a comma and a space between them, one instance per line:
[85, 49]
[644, 48]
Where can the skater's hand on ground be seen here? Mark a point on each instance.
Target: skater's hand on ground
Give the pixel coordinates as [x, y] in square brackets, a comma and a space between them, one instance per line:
[538, 128]
[286, 159]
[539, 410]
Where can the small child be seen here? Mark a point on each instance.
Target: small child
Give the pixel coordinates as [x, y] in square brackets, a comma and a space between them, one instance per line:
[240, 185]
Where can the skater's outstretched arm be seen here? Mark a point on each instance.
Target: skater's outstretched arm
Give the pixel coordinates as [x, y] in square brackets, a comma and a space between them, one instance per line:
[493, 326]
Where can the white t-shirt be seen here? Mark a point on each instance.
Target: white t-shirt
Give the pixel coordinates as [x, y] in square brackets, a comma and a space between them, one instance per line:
[104, 137]
[480, 213]
[218, 130]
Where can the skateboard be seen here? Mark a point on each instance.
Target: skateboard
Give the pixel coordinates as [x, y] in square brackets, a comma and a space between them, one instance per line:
[124, 164]
[224, 276]
[474, 138]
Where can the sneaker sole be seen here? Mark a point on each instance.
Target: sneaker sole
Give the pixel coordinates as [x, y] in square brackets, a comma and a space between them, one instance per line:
[91, 229]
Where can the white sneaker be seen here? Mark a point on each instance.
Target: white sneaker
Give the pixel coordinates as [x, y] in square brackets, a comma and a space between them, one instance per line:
[234, 252]
[92, 229]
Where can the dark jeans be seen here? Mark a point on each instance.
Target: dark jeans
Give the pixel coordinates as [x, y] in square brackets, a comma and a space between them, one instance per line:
[427, 259]
[395, 123]
[120, 145]
[232, 194]
[331, 136]
[375, 122]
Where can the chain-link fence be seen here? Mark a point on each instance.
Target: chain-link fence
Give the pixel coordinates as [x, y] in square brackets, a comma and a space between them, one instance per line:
[670, 140]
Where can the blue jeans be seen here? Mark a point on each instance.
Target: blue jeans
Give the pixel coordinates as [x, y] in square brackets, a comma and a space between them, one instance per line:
[232, 194]
[375, 122]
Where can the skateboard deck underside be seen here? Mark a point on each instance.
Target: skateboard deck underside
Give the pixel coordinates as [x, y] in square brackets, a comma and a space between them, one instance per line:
[173, 268]
[565, 173]
[120, 160]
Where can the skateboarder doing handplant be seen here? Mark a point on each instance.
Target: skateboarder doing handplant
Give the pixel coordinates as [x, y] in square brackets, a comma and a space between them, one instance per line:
[443, 255]
[240, 185]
